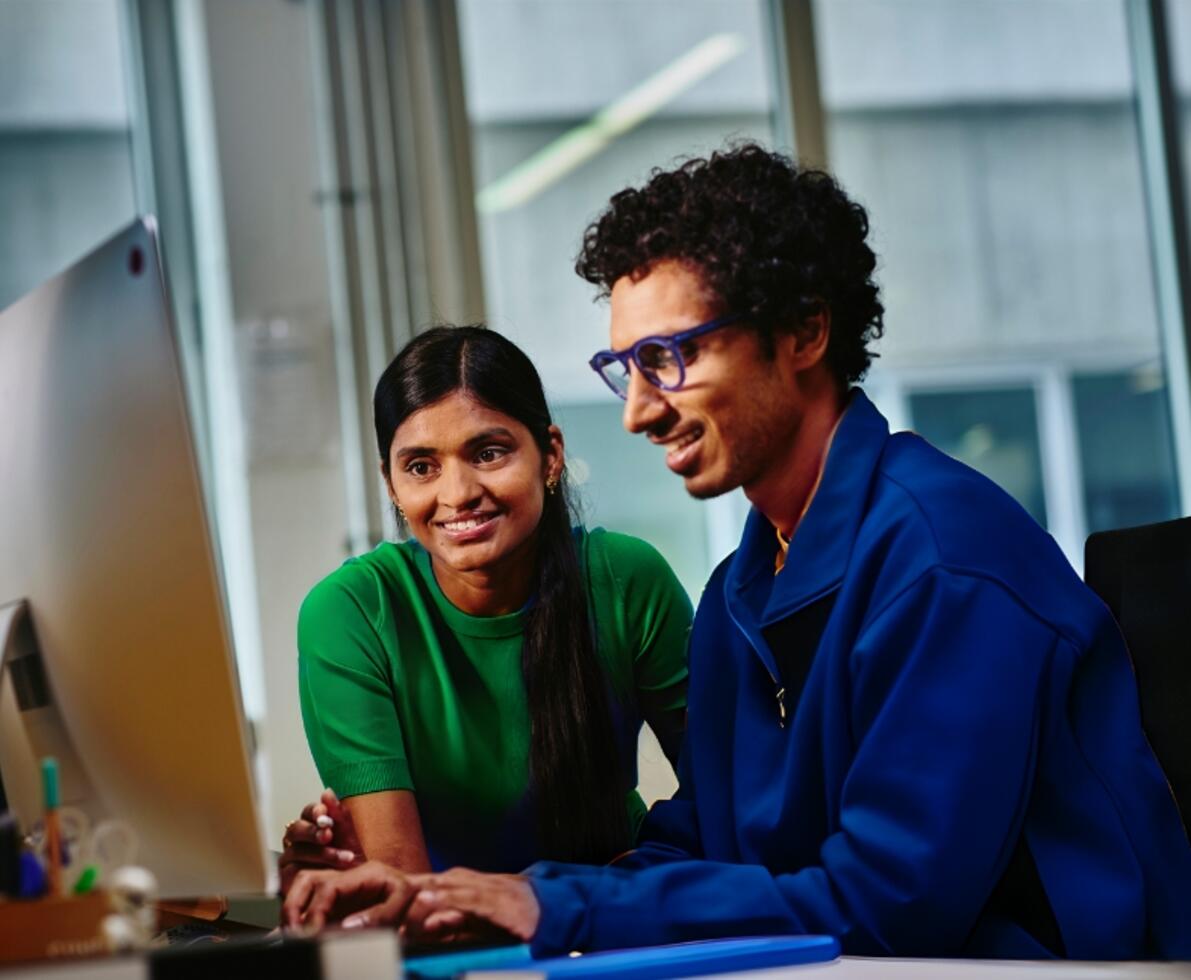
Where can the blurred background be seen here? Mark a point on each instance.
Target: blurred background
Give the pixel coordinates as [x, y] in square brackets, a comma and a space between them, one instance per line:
[332, 177]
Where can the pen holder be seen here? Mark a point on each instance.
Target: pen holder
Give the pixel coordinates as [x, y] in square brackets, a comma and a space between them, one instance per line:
[53, 928]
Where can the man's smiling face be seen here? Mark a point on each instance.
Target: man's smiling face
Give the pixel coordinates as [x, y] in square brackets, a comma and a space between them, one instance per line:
[738, 411]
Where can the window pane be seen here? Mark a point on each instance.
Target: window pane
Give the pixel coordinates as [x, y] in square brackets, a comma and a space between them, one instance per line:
[65, 154]
[995, 432]
[632, 84]
[994, 142]
[1124, 443]
[615, 475]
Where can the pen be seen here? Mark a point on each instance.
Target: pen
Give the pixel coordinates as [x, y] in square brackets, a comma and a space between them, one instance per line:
[53, 833]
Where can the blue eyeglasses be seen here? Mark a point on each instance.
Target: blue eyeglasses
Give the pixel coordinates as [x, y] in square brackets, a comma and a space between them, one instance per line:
[660, 359]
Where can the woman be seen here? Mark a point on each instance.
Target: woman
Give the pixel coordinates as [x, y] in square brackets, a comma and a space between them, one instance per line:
[474, 695]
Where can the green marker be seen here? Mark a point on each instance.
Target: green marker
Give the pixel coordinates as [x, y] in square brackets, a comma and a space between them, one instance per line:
[86, 880]
[53, 833]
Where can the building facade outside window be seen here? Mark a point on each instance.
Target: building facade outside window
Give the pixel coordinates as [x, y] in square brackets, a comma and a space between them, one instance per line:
[995, 144]
[66, 172]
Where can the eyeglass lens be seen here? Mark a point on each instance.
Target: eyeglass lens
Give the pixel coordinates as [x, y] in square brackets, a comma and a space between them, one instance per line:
[615, 374]
[659, 362]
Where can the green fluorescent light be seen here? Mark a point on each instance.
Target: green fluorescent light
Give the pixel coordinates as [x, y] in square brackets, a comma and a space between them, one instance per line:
[555, 160]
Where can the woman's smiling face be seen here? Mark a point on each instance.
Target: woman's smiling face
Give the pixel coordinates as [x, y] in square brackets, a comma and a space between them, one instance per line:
[471, 481]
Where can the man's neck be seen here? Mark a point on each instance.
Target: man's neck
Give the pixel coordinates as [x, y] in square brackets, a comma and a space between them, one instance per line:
[784, 493]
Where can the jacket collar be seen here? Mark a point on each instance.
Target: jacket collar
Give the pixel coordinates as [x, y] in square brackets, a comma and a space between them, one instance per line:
[822, 543]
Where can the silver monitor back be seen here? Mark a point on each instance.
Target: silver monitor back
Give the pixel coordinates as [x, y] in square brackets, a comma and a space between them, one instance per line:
[103, 531]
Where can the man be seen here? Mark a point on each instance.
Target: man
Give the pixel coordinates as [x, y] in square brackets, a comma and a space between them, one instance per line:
[910, 724]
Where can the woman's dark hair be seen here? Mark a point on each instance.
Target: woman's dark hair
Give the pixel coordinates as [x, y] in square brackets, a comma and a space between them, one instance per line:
[769, 239]
[576, 774]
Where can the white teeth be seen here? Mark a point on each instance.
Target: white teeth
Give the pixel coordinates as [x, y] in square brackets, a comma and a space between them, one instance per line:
[467, 525]
[686, 440]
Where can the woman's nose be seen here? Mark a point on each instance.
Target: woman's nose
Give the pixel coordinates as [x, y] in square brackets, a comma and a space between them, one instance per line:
[459, 487]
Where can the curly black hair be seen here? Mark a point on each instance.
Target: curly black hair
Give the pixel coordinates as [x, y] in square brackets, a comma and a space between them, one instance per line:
[769, 239]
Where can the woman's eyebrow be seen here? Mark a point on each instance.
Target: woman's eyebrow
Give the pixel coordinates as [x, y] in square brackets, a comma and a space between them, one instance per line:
[411, 451]
[496, 432]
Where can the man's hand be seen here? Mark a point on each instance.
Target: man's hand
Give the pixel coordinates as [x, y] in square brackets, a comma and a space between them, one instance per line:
[322, 837]
[468, 904]
[371, 894]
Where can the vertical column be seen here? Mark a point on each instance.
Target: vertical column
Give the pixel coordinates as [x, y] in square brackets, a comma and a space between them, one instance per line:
[798, 69]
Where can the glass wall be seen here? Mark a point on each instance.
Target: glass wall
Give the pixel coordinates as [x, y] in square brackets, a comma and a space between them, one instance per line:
[66, 177]
[995, 144]
[568, 103]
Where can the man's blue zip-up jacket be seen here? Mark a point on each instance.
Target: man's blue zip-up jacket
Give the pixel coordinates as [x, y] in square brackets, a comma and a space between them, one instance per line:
[922, 737]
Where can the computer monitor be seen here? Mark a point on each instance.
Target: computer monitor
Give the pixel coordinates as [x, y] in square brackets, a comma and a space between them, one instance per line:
[123, 665]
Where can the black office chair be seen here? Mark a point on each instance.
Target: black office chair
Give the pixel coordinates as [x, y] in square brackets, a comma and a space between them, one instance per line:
[1143, 574]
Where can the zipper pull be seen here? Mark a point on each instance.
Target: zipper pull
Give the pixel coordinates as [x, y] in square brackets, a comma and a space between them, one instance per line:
[781, 707]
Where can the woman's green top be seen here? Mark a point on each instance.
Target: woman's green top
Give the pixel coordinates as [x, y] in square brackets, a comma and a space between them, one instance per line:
[402, 690]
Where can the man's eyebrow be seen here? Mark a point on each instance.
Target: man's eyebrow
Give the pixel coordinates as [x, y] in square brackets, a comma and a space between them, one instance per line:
[496, 432]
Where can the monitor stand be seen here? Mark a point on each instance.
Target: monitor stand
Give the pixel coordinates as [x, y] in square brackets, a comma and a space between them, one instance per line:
[32, 727]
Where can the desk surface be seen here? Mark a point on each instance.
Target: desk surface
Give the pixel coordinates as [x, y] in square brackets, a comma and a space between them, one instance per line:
[845, 968]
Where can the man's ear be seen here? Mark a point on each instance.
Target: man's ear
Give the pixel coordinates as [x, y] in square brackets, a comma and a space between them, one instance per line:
[807, 343]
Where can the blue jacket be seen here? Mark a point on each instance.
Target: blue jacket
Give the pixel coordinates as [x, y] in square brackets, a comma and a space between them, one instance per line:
[960, 771]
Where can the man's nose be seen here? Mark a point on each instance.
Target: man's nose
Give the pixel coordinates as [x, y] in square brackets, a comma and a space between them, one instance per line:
[644, 404]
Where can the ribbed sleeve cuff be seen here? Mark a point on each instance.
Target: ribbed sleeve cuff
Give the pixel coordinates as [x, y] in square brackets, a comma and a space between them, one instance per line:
[563, 923]
[370, 776]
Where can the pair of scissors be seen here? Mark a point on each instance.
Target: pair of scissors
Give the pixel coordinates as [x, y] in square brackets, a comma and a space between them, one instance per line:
[95, 852]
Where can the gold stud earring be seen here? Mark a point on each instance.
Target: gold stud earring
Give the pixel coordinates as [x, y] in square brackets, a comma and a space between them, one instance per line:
[551, 485]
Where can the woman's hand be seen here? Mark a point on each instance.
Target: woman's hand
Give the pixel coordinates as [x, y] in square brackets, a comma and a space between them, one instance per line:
[324, 836]
[370, 894]
[469, 904]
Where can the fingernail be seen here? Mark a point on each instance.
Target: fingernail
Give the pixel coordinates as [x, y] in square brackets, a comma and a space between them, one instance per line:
[347, 856]
[325, 821]
[428, 896]
[358, 921]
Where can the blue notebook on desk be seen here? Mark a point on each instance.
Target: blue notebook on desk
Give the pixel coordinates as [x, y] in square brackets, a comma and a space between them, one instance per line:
[646, 963]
